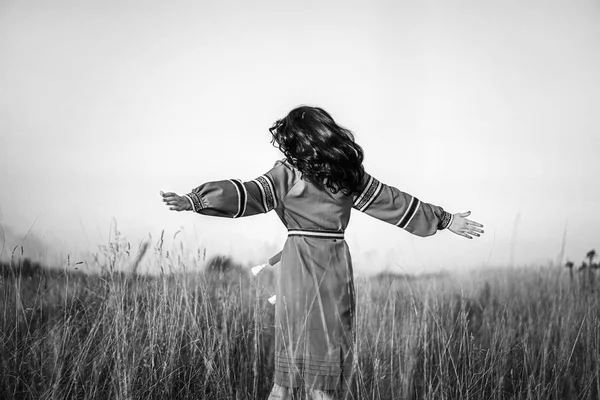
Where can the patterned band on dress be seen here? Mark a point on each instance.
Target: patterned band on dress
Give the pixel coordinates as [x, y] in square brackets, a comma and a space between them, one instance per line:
[315, 233]
[369, 194]
[266, 187]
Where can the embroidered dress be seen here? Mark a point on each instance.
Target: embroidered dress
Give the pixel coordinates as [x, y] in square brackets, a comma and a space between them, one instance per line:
[314, 316]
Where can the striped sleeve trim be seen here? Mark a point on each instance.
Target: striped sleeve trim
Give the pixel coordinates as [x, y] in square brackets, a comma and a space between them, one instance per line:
[410, 213]
[242, 197]
[267, 192]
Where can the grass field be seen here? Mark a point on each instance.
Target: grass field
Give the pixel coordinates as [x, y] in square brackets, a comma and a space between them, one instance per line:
[524, 333]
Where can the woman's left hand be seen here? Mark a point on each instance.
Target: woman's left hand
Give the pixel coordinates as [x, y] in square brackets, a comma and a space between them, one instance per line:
[465, 227]
[176, 202]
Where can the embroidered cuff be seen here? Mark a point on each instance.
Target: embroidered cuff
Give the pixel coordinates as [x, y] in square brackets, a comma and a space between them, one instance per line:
[445, 221]
[196, 201]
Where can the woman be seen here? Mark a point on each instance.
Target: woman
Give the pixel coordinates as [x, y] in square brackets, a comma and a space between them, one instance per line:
[312, 191]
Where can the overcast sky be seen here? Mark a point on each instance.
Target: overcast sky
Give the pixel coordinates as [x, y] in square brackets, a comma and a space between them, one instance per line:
[487, 106]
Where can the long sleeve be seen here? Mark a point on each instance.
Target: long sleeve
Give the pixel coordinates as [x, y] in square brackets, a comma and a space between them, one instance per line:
[389, 204]
[233, 198]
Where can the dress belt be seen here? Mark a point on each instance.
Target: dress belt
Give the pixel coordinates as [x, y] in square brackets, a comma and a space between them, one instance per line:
[316, 233]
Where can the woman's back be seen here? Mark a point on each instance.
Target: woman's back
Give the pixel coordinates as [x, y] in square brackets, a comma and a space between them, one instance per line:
[309, 205]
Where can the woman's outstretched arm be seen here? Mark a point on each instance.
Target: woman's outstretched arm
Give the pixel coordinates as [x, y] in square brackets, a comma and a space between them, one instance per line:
[233, 198]
[393, 206]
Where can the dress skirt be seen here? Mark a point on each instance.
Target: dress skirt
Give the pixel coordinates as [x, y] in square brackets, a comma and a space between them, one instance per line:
[314, 318]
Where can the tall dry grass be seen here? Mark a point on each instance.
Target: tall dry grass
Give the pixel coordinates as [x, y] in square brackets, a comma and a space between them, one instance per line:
[505, 334]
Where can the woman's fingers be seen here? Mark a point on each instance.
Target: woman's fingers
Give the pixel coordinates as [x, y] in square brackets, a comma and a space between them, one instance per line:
[172, 199]
[464, 235]
[177, 203]
[469, 230]
[177, 207]
[465, 227]
[469, 222]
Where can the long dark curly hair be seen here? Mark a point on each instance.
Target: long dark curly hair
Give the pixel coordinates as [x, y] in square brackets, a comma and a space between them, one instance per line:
[323, 151]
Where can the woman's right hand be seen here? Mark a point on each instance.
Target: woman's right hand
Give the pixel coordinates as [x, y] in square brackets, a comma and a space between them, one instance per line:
[465, 227]
[176, 202]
